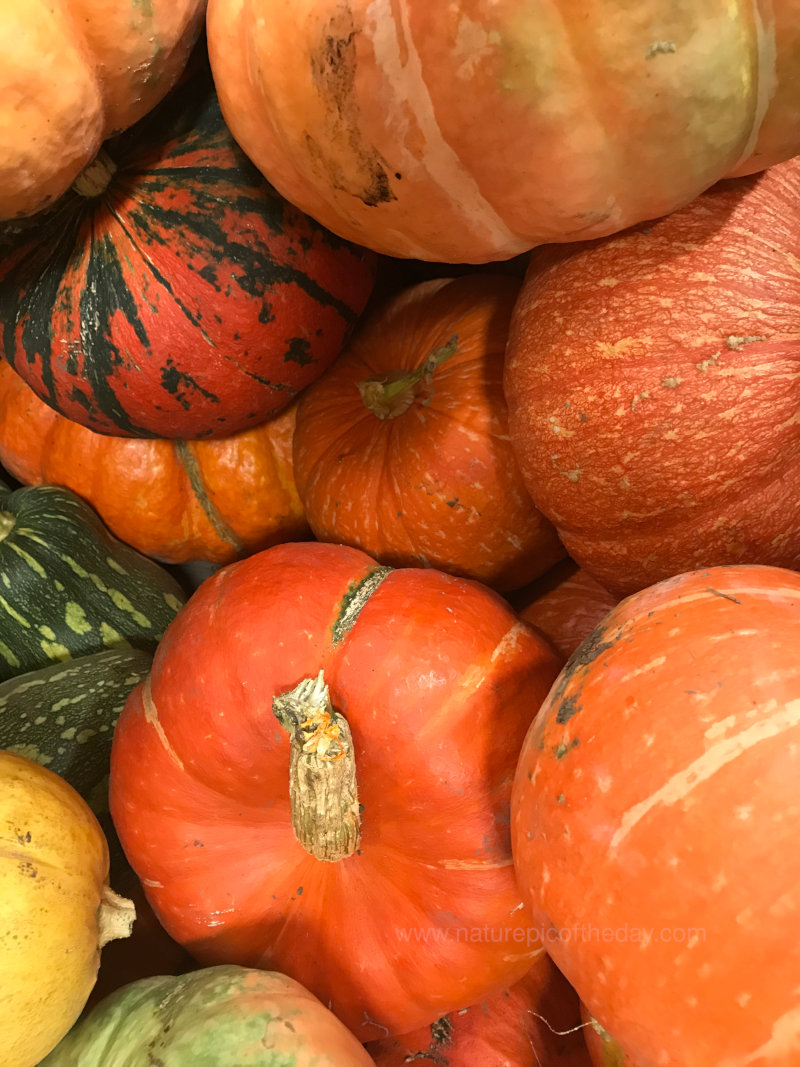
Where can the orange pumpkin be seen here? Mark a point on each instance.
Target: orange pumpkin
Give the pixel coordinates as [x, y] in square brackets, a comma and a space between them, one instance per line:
[401, 447]
[472, 131]
[653, 389]
[566, 605]
[78, 72]
[177, 500]
[655, 814]
[535, 1023]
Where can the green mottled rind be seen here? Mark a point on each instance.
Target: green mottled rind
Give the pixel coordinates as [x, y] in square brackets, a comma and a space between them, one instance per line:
[224, 1015]
[69, 588]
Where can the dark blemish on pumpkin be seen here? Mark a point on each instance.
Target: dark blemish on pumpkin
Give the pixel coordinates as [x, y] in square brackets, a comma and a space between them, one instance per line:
[725, 596]
[289, 1025]
[561, 799]
[27, 869]
[266, 313]
[24, 839]
[562, 749]
[452, 503]
[530, 776]
[299, 890]
[178, 384]
[299, 351]
[569, 707]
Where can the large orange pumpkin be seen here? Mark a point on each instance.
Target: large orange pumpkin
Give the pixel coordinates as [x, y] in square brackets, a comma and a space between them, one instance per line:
[401, 448]
[211, 500]
[655, 818]
[75, 72]
[472, 131]
[317, 778]
[653, 388]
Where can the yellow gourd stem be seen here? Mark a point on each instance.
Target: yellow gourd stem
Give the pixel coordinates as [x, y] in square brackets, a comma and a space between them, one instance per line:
[389, 395]
[7, 524]
[95, 176]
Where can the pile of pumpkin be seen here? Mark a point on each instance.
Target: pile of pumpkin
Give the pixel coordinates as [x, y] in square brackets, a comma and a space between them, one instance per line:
[478, 743]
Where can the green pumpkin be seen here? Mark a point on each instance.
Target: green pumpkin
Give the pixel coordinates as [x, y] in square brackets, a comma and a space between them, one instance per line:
[224, 1015]
[68, 587]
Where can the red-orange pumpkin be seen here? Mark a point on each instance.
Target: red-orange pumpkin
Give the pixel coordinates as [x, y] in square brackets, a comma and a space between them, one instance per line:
[400, 905]
[178, 500]
[653, 387]
[566, 607]
[471, 131]
[535, 1023]
[655, 815]
[401, 448]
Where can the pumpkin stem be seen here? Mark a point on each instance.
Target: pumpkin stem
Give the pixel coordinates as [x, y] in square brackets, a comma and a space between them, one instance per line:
[95, 176]
[7, 524]
[116, 916]
[392, 394]
[322, 771]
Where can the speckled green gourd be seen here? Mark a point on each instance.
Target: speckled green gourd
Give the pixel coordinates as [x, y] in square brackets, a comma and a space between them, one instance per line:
[236, 1016]
[69, 588]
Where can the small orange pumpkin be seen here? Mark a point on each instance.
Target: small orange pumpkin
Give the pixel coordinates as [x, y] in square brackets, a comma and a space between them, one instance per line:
[211, 500]
[401, 447]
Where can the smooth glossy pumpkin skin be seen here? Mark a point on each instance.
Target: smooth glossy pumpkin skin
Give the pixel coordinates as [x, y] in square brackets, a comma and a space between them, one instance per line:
[535, 1023]
[179, 500]
[566, 611]
[177, 295]
[218, 1015]
[652, 385]
[604, 1050]
[438, 680]
[478, 130]
[80, 71]
[437, 484]
[53, 875]
[655, 814]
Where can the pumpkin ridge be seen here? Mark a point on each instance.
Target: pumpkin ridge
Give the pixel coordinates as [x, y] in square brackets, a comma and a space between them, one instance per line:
[188, 462]
[354, 600]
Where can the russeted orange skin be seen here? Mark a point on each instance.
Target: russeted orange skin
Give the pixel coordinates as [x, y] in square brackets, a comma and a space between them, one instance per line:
[78, 72]
[437, 485]
[569, 610]
[473, 131]
[655, 815]
[178, 501]
[535, 1023]
[653, 388]
[439, 681]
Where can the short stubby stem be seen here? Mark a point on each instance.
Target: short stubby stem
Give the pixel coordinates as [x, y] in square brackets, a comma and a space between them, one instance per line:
[95, 176]
[322, 773]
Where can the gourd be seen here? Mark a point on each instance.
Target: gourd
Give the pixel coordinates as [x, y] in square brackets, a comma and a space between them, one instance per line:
[68, 587]
[473, 132]
[327, 747]
[654, 814]
[56, 908]
[566, 604]
[172, 292]
[79, 72]
[652, 390]
[217, 1015]
[176, 500]
[411, 419]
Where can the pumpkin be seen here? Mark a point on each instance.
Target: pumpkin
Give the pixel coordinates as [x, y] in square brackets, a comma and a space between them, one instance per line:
[172, 292]
[68, 587]
[565, 604]
[177, 500]
[603, 1049]
[218, 1015]
[652, 387]
[56, 908]
[401, 448]
[327, 747]
[475, 131]
[80, 71]
[535, 1023]
[655, 811]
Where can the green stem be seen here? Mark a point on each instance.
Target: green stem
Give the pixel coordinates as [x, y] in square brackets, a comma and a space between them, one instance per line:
[392, 394]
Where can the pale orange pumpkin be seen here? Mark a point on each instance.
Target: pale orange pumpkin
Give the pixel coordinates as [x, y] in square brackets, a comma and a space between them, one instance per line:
[78, 72]
[473, 131]
[213, 500]
[401, 447]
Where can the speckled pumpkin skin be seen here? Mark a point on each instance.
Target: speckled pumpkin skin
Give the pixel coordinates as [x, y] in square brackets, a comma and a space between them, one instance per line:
[655, 815]
[219, 1015]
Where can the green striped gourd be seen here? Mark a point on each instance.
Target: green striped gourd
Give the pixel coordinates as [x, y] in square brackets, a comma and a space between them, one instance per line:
[68, 587]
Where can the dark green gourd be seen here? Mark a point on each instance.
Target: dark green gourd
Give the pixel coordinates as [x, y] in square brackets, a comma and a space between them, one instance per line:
[69, 588]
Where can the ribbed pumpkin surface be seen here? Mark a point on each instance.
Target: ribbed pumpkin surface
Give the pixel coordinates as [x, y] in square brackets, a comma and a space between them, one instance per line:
[184, 298]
